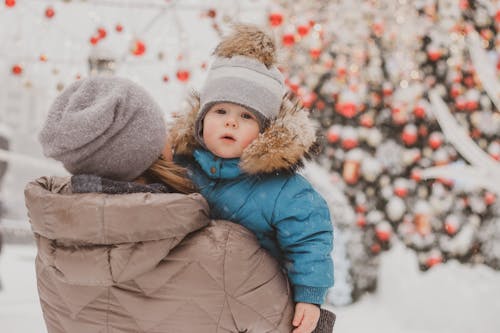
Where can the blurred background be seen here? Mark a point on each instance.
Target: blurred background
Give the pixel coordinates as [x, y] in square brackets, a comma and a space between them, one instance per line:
[406, 95]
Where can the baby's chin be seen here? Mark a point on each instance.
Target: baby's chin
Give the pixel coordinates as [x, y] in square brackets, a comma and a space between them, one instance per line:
[226, 154]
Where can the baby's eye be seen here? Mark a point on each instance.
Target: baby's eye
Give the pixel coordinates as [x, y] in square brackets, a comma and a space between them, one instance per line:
[247, 116]
[220, 111]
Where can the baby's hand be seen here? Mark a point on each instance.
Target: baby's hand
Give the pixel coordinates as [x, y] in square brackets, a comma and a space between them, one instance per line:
[306, 317]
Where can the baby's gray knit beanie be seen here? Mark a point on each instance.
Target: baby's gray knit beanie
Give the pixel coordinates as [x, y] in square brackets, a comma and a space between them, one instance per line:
[106, 126]
[244, 72]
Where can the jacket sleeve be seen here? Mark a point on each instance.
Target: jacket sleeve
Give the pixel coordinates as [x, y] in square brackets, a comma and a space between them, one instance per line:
[305, 236]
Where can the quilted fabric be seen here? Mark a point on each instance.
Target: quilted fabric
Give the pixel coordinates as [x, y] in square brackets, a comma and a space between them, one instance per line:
[149, 263]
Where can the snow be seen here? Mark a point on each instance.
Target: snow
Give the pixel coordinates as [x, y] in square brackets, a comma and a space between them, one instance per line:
[450, 298]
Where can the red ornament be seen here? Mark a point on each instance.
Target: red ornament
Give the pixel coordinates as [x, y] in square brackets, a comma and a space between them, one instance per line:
[138, 48]
[333, 134]
[49, 12]
[387, 89]
[366, 120]
[165, 78]
[361, 221]
[183, 75]
[434, 260]
[288, 39]
[212, 13]
[94, 40]
[315, 53]
[119, 27]
[497, 16]
[308, 100]
[434, 54]
[275, 19]
[378, 28]
[303, 29]
[450, 228]
[383, 232]
[419, 111]
[17, 69]
[435, 140]
[43, 58]
[10, 3]
[463, 4]
[416, 175]
[375, 248]
[347, 109]
[349, 143]
[489, 198]
[409, 135]
[320, 105]
[101, 32]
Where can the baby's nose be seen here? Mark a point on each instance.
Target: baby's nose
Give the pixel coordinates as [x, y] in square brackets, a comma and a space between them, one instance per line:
[231, 122]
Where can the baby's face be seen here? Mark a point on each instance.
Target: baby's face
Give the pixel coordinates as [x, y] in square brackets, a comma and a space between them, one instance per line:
[228, 129]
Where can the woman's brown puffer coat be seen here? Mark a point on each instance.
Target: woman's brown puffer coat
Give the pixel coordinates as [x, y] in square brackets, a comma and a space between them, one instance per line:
[147, 262]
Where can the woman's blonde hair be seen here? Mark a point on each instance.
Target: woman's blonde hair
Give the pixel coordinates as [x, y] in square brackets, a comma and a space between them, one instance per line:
[171, 174]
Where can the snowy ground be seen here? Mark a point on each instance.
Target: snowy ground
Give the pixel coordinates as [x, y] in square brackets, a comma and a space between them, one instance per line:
[449, 298]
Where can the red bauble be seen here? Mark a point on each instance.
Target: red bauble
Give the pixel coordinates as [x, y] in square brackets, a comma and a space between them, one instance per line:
[416, 175]
[315, 53]
[409, 135]
[119, 27]
[43, 58]
[347, 109]
[378, 28]
[10, 3]
[383, 233]
[497, 16]
[138, 48]
[308, 100]
[349, 143]
[183, 75]
[94, 40]
[333, 134]
[419, 111]
[360, 220]
[434, 55]
[433, 260]
[165, 78]
[489, 198]
[212, 13]
[275, 19]
[303, 29]
[17, 69]
[366, 120]
[288, 39]
[49, 12]
[101, 32]
[435, 140]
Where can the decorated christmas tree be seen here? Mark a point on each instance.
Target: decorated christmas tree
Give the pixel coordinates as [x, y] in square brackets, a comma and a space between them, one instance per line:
[405, 93]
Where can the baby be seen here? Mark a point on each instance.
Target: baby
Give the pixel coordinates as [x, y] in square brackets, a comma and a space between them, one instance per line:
[243, 142]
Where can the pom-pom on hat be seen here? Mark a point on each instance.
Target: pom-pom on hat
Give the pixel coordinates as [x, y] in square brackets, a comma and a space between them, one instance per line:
[244, 72]
[105, 126]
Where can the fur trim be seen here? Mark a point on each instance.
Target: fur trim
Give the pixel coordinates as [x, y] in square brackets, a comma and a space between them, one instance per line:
[181, 133]
[289, 139]
[248, 40]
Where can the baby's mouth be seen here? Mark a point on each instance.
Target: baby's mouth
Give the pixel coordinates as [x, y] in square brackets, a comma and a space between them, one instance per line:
[228, 137]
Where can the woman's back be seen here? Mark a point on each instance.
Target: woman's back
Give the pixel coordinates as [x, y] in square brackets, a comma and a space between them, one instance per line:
[146, 262]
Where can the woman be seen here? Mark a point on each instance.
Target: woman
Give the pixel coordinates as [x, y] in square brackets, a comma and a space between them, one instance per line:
[122, 256]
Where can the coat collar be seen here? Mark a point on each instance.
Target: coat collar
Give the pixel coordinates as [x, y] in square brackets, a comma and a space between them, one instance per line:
[287, 141]
[215, 167]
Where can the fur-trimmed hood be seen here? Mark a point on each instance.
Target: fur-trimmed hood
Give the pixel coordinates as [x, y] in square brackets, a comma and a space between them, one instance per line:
[284, 144]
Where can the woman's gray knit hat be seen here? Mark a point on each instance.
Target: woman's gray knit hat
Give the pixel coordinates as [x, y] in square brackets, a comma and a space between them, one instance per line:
[105, 126]
[244, 72]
